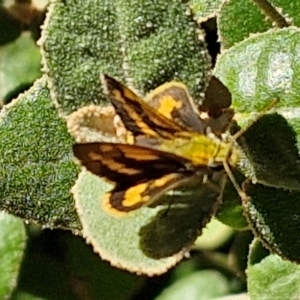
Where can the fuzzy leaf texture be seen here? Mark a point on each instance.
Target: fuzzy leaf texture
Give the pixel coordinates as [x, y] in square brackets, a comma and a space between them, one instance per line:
[257, 70]
[133, 41]
[149, 240]
[234, 28]
[271, 277]
[37, 169]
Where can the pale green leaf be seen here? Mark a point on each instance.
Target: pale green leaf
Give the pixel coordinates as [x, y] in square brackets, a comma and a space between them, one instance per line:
[148, 240]
[12, 244]
[200, 285]
[214, 235]
[19, 64]
[274, 278]
[261, 68]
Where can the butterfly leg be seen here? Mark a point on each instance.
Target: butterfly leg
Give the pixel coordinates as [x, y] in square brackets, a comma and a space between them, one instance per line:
[241, 193]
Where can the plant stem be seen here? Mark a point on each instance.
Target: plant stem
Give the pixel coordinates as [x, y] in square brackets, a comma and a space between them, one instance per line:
[272, 13]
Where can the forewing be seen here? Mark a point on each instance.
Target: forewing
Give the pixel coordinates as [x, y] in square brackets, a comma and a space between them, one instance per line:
[128, 163]
[139, 117]
[140, 175]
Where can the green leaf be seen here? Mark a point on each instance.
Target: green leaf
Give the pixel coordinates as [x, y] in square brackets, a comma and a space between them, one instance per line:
[78, 47]
[21, 64]
[257, 252]
[237, 22]
[257, 70]
[204, 9]
[279, 167]
[214, 235]
[273, 278]
[12, 244]
[154, 52]
[261, 68]
[134, 41]
[265, 212]
[149, 240]
[36, 165]
[198, 286]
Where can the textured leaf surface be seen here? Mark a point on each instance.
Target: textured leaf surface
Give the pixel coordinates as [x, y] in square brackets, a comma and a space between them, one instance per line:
[149, 240]
[261, 68]
[273, 278]
[80, 40]
[273, 153]
[131, 40]
[154, 52]
[237, 22]
[36, 165]
[12, 244]
[257, 70]
[266, 211]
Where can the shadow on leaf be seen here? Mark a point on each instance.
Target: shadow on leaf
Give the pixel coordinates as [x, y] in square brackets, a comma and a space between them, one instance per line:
[175, 228]
[271, 146]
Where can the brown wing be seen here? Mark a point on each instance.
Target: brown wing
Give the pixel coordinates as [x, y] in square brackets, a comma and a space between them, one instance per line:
[217, 98]
[138, 116]
[141, 175]
[172, 99]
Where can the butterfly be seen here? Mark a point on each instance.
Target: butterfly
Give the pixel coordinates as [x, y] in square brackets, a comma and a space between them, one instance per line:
[168, 150]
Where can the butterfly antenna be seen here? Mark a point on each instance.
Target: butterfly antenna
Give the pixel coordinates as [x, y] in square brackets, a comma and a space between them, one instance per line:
[259, 115]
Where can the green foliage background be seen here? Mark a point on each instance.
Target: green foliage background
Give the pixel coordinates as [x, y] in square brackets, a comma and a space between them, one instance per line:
[144, 44]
